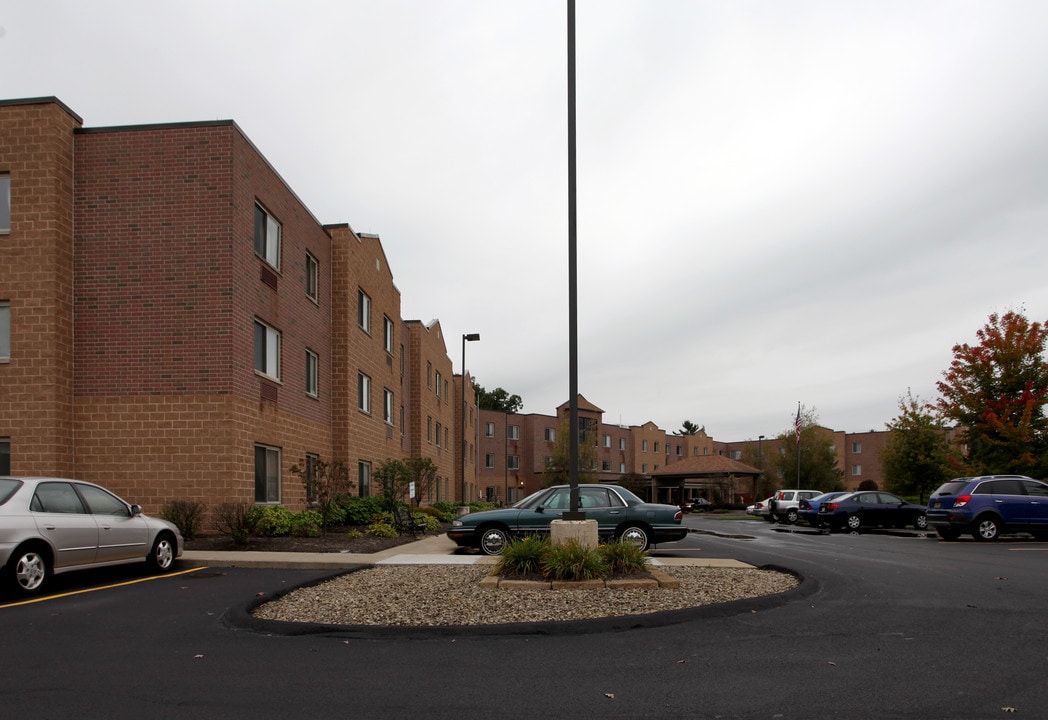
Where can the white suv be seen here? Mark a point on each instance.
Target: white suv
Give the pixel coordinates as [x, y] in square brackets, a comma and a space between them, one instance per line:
[785, 503]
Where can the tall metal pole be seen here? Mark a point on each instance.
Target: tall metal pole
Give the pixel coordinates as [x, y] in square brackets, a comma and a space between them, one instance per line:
[472, 337]
[573, 330]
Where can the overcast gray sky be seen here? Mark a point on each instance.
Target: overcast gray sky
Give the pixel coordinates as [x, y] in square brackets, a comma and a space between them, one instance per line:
[778, 201]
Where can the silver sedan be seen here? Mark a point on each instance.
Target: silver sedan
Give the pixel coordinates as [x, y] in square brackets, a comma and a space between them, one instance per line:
[53, 525]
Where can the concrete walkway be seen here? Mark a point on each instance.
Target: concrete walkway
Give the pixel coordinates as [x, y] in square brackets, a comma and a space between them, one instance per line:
[432, 550]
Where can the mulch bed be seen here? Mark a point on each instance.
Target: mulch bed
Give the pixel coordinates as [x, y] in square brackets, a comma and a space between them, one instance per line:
[334, 540]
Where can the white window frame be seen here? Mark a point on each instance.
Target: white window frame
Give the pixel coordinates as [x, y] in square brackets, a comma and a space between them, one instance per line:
[857, 447]
[387, 334]
[270, 350]
[513, 462]
[489, 460]
[387, 406]
[5, 332]
[363, 393]
[5, 204]
[312, 374]
[622, 443]
[267, 236]
[489, 429]
[550, 434]
[312, 278]
[856, 470]
[271, 467]
[438, 385]
[607, 441]
[364, 310]
[364, 478]
[513, 433]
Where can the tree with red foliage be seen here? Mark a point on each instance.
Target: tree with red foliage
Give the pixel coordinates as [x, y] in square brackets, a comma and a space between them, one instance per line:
[996, 392]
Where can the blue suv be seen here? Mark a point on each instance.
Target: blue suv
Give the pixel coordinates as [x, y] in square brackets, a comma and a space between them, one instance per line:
[988, 506]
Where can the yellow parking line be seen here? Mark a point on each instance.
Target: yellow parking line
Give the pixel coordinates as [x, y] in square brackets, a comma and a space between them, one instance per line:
[30, 601]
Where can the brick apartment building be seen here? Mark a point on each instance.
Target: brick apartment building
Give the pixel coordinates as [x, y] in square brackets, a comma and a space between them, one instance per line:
[175, 323]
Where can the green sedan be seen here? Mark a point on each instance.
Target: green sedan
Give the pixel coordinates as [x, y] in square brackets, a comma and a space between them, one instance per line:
[618, 512]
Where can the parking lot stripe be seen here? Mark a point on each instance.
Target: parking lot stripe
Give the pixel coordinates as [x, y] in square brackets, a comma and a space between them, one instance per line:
[30, 601]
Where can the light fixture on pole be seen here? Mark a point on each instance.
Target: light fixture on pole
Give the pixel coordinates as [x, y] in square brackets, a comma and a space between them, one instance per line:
[469, 337]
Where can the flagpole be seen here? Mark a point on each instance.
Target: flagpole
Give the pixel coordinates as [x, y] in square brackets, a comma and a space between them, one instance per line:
[797, 429]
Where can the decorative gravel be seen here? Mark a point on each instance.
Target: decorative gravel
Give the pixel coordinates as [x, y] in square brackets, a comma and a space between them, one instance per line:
[440, 595]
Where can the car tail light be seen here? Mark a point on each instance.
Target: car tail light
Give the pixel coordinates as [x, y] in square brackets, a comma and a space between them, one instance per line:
[679, 516]
[831, 506]
[962, 500]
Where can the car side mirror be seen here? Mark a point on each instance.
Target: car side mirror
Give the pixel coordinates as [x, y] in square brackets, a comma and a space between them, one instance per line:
[136, 510]
[540, 509]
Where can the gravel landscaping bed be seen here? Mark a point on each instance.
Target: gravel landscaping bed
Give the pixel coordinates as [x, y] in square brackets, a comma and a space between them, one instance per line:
[445, 595]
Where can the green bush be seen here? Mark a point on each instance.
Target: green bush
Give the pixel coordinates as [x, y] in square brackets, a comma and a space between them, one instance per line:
[523, 556]
[360, 510]
[307, 523]
[623, 558]
[448, 510]
[187, 515]
[573, 561]
[435, 512]
[270, 520]
[232, 519]
[477, 506]
[432, 522]
[382, 529]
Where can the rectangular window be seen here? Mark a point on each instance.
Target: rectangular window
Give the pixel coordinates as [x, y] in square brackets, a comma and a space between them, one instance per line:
[656, 446]
[387, 334]
[5, 456]
[644, 446]
[622, 467]
[438, 385]
[439, 429]
[5, 332]
[607, 441]
[856, 447]
[364, 479]
[644, 468]
[5, 204]
[364, 311]
[551, 434]
[513, 462]
[678, 451]
[312, 374]
[387, 406]
[489, 429]
[267, 237]
[312, 278]
[736, 454]
[856, 469]
[429, 374]
[606, 465]
[267, 350]
[363, 393]
[622, 443]
[489, 460]
[514, 432]
[267, 474]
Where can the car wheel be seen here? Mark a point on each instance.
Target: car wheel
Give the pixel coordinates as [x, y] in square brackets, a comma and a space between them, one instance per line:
[162, 558]
[921, 522]
[635, 535]
[493, 539]
[853, 523]
[791, 517]
[986, 529]
[948, 533]
[30, 570]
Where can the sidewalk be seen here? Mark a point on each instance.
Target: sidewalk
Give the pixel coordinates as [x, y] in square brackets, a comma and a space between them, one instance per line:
[433, 550]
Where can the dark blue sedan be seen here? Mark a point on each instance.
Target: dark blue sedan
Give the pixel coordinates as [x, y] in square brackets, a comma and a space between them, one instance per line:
[871, 509]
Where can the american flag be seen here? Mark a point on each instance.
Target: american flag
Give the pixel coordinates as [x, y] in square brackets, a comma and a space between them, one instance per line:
[797, 424]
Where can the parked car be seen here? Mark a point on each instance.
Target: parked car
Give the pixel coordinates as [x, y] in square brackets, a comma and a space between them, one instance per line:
[618, 512]
[50, 526]
[808, 508]
[759, 508]
[856, 510]
[784, 504]
[698, 504]
[989, 506]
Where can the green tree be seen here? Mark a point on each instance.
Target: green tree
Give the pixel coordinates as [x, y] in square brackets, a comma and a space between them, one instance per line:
[688, 428]
[557, 470]
[498, 400]
[392, 479]
[423, 472]
[996, 391]
[818, 462]
[916, 457]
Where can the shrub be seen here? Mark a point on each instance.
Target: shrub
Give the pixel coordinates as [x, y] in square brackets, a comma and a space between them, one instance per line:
[573, 561]
[477, 506]
[232, 519]
[432, 522]
[354, 534]
[270, 520]
[187, 515]
[434, 512]
[448, 510]
[307, 523]
[523, 556]
[382, 529]
[360, 510]
[623, 558]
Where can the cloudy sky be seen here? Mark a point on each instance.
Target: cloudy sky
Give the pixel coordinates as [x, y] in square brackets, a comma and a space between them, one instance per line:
[779, 201]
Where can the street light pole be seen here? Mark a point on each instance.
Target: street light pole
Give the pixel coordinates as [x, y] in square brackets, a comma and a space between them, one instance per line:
[470, 337]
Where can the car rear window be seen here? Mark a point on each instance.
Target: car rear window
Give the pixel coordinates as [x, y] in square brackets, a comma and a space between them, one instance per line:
[951, 488]
[8, 486]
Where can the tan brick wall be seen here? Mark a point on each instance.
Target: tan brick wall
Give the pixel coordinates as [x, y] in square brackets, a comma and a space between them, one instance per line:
[428, 358]
[36, 386]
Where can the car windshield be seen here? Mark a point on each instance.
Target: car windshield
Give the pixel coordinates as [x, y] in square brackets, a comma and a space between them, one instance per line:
[7, 488]
[530, 499]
